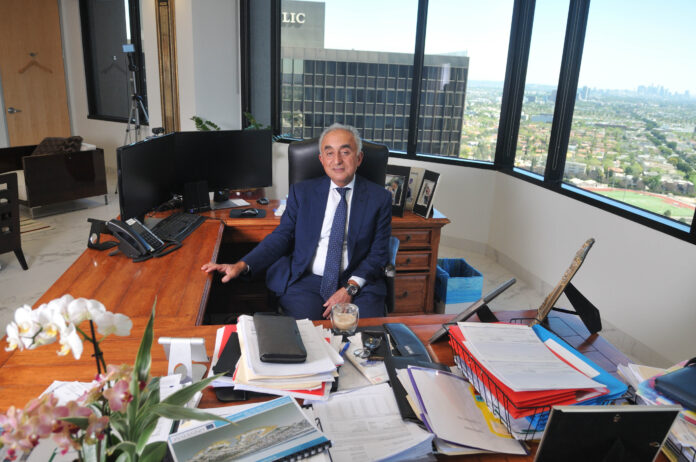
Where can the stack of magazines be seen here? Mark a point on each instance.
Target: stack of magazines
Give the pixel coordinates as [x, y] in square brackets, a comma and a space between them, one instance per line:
[311, 379]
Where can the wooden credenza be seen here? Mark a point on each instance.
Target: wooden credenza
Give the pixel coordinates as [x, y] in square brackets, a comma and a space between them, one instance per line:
[415, 262]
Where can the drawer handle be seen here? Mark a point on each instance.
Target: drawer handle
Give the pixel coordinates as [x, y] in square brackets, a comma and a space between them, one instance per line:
[408, 261]
[408, 237]
[405, 294]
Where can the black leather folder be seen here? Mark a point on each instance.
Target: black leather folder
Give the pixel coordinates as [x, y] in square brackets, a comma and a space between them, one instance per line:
[279, 339]
[680, 385]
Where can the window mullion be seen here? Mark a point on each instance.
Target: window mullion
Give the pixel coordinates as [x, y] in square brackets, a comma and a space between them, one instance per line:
[567, 90]
[417, 79]
[515, 78]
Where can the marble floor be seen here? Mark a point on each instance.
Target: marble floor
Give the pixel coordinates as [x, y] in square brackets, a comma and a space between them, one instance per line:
[50, 252]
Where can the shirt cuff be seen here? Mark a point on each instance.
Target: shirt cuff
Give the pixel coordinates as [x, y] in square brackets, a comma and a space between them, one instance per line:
[359, 280]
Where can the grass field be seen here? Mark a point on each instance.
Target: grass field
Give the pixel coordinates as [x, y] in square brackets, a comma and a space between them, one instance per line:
[655, 204]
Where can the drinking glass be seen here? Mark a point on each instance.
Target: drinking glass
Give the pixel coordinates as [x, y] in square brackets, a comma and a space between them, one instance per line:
[344, 318]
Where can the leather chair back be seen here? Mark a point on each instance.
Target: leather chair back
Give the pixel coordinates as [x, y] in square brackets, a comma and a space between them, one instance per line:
[303, 161]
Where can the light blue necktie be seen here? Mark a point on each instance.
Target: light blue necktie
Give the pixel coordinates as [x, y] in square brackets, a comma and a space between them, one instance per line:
[332, 267]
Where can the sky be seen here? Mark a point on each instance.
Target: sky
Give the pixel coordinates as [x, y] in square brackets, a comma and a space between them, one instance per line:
[628, 42]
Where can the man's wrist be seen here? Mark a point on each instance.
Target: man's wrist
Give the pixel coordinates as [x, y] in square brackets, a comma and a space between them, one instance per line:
[246, 269]
[352, 287]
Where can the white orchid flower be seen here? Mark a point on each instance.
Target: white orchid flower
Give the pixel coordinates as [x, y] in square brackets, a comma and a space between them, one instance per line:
[95, 308]
[60, 305]
[70, 341]
[14, 341]
[110, 323]
[77, 311]
[27, 323]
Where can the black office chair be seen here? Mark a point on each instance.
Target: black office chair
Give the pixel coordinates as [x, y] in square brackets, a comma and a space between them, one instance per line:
[303, 161]
[9, 218]
[303, 164]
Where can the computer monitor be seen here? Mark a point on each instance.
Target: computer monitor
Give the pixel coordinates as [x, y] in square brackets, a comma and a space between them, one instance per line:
[226, 159]
[146, 175]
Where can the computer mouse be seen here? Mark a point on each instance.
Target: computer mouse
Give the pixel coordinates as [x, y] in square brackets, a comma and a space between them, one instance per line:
[251, 212]
[262, 201]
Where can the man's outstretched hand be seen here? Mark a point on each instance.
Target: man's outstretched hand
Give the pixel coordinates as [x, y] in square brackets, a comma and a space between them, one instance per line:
[231, 270]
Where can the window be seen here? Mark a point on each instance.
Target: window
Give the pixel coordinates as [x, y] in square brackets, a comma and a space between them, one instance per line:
[114, 76]
[341, 64]
[591, 102]
[541, 85]
[633, 128]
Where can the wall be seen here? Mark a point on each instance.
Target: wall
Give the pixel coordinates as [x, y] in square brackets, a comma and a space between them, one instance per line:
[642, 281]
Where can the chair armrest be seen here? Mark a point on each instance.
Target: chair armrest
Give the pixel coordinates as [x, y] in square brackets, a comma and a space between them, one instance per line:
[11, 158]
[52, 178]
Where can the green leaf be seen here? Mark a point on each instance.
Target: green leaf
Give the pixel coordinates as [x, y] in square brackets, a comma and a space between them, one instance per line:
[124, 457]
[119, 423]
[184, 395]
[184, 413]
[144, 359]
[79, 421]
[154, 452]
[126, 447]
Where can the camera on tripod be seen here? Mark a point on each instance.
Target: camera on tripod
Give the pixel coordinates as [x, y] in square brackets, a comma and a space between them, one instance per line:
[137, 107]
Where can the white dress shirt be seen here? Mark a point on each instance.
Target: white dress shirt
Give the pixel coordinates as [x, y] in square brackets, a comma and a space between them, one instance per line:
[323, 245]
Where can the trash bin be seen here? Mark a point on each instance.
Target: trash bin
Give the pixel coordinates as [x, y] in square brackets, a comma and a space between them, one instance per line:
[457, 281]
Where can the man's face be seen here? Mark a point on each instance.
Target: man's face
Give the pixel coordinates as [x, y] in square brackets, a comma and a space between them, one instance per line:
[339, 156]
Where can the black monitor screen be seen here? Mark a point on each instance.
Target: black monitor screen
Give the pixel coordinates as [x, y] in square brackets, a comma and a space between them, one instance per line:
[146, 175]
[226, 159]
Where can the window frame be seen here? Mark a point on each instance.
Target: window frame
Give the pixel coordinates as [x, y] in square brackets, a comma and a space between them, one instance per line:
[511, 107]
[134, 15]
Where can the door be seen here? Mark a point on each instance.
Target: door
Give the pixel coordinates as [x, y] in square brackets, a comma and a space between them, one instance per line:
[32, 72]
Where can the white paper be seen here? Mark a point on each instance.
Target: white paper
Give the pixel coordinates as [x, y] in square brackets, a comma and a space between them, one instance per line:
[365, 424]
[517, 357]
[452, 413]
[374, 371]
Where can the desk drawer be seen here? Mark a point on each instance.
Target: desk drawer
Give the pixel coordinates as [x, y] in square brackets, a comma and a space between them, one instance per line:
[413, 238]
[413, 261]
[409, 292]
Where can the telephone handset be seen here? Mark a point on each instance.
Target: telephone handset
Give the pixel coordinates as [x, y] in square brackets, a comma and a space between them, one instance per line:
[136, 241]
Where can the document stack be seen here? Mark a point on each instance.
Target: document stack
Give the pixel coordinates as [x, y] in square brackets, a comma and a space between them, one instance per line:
[311, 379]
[521, 371]
[681, 441]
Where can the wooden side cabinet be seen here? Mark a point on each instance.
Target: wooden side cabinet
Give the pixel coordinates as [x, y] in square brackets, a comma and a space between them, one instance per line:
[416, 262]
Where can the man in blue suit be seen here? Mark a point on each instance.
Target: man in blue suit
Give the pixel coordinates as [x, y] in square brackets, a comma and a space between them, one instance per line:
[305, 267]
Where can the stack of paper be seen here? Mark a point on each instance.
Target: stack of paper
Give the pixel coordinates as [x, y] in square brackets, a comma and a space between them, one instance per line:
[365, 424]
[311, 379]
[522, 371]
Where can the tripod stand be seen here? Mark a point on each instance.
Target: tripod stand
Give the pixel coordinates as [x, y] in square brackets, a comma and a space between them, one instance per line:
[136, 104]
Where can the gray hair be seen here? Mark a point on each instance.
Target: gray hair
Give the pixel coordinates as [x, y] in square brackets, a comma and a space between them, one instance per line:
[349, 128]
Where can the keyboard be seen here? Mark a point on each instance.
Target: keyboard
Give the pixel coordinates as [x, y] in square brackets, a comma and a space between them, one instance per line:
[177, 227]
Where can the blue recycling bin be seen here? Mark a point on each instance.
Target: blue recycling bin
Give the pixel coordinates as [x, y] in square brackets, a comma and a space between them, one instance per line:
[457, 281]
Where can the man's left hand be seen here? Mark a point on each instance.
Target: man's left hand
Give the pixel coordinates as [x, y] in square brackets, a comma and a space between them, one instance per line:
[340, 296]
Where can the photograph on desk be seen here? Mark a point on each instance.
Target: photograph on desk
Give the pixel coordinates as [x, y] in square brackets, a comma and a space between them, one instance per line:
[396, 183]
[424, 199]
[274, 430]
[414, 181]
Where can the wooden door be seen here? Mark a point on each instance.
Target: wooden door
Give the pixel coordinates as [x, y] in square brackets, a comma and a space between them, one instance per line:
[32, 72]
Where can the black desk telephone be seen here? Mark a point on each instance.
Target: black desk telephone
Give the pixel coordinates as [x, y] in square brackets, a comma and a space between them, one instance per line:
[136, 241]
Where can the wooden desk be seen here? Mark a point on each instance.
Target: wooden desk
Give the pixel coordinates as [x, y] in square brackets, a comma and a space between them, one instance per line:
[415, 263]
[26, 374]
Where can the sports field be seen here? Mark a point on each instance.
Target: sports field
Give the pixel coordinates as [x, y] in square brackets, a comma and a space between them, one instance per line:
[655, 203]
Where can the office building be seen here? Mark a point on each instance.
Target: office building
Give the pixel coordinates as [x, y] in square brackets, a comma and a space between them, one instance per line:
[367, 89]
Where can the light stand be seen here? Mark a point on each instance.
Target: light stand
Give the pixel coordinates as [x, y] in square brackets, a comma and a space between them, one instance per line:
[136, 100]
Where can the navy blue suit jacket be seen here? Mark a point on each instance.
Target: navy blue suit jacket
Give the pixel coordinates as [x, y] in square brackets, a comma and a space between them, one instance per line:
[287, 252]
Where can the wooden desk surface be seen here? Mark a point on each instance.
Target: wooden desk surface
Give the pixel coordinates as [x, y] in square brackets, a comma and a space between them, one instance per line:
[26, 374]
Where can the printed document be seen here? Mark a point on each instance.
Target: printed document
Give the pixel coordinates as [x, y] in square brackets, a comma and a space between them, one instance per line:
[517, 357]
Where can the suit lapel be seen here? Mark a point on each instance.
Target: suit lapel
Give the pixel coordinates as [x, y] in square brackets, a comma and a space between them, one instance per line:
[357, 212]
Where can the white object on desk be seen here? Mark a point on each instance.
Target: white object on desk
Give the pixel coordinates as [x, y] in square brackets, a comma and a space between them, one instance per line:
[183, 351]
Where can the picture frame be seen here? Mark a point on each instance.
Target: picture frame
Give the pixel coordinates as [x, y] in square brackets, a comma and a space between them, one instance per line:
[396, 182]
[414, 182]
[423, 202]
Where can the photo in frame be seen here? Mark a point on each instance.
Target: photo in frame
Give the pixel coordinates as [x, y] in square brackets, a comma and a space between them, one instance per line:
[423, 203]
[414, 182]
[396, 182]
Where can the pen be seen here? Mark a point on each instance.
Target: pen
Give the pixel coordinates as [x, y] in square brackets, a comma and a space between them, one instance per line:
[344, 349]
